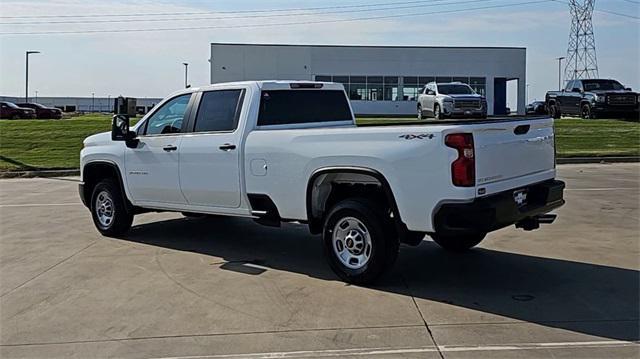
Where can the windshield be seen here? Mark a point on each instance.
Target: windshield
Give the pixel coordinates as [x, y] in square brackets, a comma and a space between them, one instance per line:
[11, 104]
[591, 85]
[455, 90]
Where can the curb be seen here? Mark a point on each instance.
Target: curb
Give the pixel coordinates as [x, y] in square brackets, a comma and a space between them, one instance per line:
[40, 173]
[580, 160]
[76, 172]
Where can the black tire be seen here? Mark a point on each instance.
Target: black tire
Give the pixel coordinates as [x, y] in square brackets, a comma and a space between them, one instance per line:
[121, 218]
[420, 116]
[585, 111]
[554, 111]
[15, 117]
[437, 114]
[458, 243]
[384, 244]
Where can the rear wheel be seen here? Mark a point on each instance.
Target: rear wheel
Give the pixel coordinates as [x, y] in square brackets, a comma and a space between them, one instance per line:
[553, 111]
[15, 117]
[586, 111]
[458, 243]
[359, 240]
[108, 209]
[437, 114]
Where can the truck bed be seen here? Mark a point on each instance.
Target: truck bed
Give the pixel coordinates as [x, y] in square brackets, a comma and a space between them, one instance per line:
[456, 121]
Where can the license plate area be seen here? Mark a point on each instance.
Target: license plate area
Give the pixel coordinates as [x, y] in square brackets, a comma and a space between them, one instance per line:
[521, 197]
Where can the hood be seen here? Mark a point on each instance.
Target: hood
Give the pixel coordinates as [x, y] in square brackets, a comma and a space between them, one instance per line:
[97, 139]
[613, 92]
[472, 96]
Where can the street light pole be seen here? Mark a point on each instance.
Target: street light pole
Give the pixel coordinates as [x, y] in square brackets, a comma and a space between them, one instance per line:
[26, 77]
[526, 96]
[93, 101]
[560, 71]
[36, 96]
[186, 71]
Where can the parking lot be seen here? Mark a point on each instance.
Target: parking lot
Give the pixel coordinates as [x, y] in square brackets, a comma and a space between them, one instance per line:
[228, 287]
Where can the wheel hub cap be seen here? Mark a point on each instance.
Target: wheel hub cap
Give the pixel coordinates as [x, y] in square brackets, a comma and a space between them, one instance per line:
[104, 208]
[352, 242]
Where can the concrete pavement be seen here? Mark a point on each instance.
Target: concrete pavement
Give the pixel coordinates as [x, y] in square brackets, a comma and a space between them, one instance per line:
[228, 287]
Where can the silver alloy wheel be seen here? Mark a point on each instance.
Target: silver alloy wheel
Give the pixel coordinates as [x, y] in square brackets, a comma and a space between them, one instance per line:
[352, 242]
[105, 210]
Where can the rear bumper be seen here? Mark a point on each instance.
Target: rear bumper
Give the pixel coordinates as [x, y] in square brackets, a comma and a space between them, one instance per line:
[497, 211]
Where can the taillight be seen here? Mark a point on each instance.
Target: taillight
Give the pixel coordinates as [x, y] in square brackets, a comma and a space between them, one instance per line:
[463, 169]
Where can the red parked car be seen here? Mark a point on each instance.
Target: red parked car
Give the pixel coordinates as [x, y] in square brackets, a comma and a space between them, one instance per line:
[10, 110]
[43, 111]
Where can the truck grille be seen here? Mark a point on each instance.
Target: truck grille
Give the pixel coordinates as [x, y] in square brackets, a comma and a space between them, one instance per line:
[621, 99]
[467, 104]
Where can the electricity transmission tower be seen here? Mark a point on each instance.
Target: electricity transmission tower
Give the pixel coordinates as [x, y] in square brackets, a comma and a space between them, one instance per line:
[581, 54]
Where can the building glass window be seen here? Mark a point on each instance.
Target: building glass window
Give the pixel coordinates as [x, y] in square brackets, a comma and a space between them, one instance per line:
[374, 88]
[390, 88]
[423, 80]
[411, 88]
[478, 84]
[358, 88]
[344, 80]
[463, 79]
[323, 78]
[443, 79]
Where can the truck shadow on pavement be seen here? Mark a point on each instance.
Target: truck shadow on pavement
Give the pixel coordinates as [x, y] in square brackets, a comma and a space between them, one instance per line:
[585, 298]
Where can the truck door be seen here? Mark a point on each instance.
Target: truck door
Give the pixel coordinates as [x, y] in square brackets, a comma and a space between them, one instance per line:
[210, 153]
[152, 166]
[567, 98]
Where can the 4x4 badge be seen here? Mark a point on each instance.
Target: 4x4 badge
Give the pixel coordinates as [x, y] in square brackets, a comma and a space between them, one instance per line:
[420, 136]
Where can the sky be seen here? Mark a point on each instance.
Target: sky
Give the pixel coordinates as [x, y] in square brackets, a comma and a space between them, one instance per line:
[149, 64]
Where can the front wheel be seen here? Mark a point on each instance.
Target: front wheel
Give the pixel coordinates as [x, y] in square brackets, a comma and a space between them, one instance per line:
[359, 240]
[437, 113]
[420, 117]
[586, 112]
[108, 209]
[459, 243]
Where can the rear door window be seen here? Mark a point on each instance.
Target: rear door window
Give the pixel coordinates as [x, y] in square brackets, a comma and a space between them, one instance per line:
[218, 111]
[281, 107]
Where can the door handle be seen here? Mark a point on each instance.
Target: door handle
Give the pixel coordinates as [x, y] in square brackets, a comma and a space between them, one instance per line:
[227, 147]
[170, 148]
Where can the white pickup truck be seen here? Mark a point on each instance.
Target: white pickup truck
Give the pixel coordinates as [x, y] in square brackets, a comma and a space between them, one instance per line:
[281, 151]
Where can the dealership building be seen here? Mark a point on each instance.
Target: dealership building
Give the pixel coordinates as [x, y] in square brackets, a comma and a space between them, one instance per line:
[381, 80]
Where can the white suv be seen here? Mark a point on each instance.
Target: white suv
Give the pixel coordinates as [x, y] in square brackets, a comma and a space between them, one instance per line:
[453, 99]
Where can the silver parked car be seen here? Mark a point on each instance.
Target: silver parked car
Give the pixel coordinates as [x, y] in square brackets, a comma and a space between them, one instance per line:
[453, 99]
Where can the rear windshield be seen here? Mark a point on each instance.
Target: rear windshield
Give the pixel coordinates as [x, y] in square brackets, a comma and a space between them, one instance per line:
[280, 107]
[455, 89]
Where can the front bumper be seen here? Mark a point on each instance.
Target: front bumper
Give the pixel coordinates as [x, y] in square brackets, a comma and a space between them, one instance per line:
[497, 211]
[619, 110]
[82, 194]
[460, 113]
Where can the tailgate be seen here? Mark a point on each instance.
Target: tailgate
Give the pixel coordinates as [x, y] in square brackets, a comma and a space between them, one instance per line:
[509, 150]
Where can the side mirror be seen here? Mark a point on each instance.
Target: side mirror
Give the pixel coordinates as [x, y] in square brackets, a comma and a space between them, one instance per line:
[575, 89]
[120, 131]
[628, 89]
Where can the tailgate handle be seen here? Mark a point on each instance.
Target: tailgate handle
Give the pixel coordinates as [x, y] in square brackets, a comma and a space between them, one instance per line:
[522, 129]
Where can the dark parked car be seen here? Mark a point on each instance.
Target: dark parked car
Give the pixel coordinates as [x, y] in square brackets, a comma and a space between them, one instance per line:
[43, 111]
[536, 108]
[592, 98]
[10, 110]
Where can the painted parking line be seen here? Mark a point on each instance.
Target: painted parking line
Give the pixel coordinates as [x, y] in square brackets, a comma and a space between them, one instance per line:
[391, 351]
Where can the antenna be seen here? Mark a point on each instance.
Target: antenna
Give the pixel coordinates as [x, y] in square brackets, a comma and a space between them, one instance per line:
[581, 54]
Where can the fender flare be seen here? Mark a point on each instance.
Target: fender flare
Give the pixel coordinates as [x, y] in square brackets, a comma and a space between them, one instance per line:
[113, 166]
[315, 224]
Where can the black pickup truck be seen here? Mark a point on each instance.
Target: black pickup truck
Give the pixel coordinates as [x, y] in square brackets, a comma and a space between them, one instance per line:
[592, 98]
